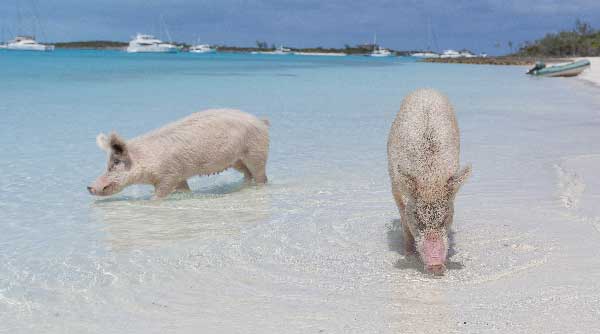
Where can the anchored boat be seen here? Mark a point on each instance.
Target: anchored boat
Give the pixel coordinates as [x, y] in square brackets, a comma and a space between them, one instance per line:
[202, 48]
[378, 51]
[147, 43]
[279, 51]
[26, 43]
[561, 70]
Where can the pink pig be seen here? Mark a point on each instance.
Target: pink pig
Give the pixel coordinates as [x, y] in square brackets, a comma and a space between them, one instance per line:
[423, 163]
[203, 143]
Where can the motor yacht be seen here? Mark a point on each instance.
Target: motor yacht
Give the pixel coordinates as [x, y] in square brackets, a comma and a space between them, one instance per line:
[148, 43]
[27, 43]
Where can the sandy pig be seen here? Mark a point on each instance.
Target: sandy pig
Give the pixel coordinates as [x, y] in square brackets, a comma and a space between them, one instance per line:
[203, 143]
[423, 163]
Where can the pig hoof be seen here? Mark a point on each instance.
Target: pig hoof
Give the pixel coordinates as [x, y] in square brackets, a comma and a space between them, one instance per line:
[436, 269]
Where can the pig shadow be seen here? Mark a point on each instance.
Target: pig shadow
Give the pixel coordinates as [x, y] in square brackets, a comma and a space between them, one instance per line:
[136, 224]
[412, 261]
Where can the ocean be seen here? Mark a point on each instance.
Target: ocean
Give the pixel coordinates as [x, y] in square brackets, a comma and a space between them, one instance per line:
[317, 250]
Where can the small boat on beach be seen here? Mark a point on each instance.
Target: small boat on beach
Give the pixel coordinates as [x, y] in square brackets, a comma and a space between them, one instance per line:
[571, 69]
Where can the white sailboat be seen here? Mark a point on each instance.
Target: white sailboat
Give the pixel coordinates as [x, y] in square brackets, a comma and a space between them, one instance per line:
[202, 48]
[431, 43]
[279, 51]
[378, 51]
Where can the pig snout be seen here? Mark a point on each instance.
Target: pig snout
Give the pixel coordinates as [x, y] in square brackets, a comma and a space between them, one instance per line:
[101, 187]
[98, 191]
[434, 254]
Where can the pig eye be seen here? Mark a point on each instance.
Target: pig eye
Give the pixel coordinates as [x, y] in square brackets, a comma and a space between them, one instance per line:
[116, 161]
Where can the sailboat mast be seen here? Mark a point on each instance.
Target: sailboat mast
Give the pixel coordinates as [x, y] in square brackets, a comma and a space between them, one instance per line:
[37, 24]
[374, 41]
[19, 28]
[164, 24]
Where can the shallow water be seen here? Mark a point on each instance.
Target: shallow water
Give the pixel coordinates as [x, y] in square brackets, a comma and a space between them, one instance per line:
[318, 248]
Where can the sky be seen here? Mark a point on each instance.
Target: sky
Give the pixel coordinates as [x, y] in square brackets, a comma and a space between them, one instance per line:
[482, 26]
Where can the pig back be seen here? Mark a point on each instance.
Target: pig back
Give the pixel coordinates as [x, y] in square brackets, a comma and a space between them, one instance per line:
[203, 143]
[424, 139]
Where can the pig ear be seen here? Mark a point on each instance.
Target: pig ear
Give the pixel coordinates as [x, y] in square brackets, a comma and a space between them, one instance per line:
[457, 180]
[117, 144]
[102, 142]
[411, 184]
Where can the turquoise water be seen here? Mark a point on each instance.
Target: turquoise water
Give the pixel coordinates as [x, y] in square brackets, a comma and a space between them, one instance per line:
[316, 248]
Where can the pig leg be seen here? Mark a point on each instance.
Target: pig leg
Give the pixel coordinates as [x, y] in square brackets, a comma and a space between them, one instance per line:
[164, 188]
[240, 167]
[183, 187]
[256, 166]
[409, 240]
[398, 199]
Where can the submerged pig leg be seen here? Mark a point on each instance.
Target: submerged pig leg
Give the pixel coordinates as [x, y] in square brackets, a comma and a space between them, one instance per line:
[256, 166]
[164, 189]
[409, 240]
[183, 187]
[240, 167]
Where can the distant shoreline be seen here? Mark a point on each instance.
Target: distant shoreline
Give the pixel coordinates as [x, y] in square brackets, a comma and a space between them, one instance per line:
[91, 45]
[118, 45]
[503, 60]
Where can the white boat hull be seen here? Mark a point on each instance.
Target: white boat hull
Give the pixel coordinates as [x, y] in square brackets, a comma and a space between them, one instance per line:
[270, 53]
[203, 51]
[425, 55]
[329, 54]
[38, 47]
[152, 49]
[567, 73]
